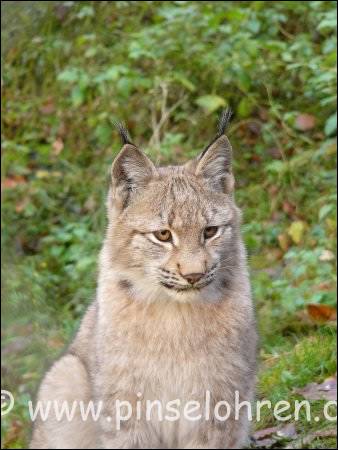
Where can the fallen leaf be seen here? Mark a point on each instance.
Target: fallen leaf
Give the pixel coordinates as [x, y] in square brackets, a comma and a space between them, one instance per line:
[284, 241]
[321, 313]
[256, 158]
[90, 204]
[303, 442]
[260, 434]
[17, 345]
[324, 286]
[254, 128]
[275, 153]
[57, 146]
[264, 443]
[267, 437]
[296, 231]
[55, 342]
[289, 208]
[61, 11]
[325, 433]
[274, 254]
[21, 329]
[13, 181]
[273, 190]
[42, 174]
[48, 107]
[263, 114]
[56, 174]
[29, 376]
[62, 130]
[288, 431]
[26, 246]
[12, 434]
[326, 255]
[21, 205]
[324, 391]
[303, 317]
[269, 360]
[305, 122]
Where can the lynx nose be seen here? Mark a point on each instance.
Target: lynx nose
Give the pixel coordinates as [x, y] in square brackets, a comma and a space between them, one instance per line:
[193, 277]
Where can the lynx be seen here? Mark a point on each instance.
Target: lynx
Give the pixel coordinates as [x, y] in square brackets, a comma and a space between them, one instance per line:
[173, 317]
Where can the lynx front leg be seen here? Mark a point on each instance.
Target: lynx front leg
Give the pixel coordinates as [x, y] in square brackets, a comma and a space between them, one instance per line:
[66, 383]
[232, 434]
[134, 436]
[124, 425]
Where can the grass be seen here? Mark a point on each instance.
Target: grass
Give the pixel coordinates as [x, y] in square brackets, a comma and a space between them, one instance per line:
[69, 70]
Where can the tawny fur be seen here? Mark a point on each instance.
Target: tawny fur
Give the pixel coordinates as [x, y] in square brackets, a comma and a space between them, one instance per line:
[148, 335]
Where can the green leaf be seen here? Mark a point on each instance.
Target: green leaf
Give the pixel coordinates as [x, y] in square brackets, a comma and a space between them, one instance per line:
[111, 74]
[244, 81]
[77, 96]
[184, 82]
[211, 102]
[276, 167]
[69, 75]
[324, 211]
[254, 25]
[245, 107]
[103, 134]
[296, 231]
[85, 11]
[331, 125]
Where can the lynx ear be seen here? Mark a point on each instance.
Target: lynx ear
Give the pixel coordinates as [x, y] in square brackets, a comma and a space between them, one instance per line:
[215, 165]
[131, 171]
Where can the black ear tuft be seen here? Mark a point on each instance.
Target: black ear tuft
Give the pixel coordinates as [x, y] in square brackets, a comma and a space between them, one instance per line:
[123, 132]
[224, 121]
[222, 126]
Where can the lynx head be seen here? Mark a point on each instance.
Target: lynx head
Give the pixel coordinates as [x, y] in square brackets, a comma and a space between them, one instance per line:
[173, 231]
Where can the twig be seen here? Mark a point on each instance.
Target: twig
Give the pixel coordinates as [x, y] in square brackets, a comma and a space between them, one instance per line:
[158, 125]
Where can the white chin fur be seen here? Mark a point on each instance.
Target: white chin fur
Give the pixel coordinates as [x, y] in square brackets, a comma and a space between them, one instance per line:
[153, 292]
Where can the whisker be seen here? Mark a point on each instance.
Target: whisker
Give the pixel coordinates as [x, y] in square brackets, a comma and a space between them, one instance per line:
[170, 277]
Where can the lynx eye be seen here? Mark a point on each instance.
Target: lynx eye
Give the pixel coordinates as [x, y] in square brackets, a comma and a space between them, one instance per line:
[163, 235]
[210, 232]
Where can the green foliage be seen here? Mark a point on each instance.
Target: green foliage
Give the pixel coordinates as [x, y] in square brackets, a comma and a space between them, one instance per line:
[70, 69]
